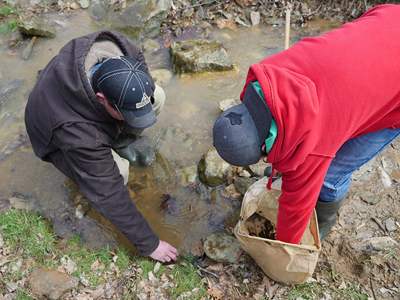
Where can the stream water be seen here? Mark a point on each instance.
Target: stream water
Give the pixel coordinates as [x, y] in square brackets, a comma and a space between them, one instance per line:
[183, 131]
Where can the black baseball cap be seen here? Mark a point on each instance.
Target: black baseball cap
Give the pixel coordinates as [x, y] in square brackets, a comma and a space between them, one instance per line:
[240, 131]
[125, 83]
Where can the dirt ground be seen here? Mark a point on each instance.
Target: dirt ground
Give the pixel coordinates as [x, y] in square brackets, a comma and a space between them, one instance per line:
[346, 247]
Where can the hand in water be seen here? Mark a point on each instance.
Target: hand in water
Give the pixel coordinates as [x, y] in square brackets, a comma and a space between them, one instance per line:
[164, 252]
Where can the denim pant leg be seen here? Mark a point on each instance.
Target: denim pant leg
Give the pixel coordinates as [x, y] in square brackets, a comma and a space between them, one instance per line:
[352, 155]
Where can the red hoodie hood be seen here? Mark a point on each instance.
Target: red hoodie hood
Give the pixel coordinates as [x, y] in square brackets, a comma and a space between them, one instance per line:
[295, 112]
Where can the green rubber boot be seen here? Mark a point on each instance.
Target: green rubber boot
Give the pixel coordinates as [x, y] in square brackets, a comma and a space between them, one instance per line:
[136, 157]
[327, 216]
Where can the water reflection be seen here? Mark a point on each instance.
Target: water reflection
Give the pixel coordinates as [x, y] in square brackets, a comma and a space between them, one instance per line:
[182, 134]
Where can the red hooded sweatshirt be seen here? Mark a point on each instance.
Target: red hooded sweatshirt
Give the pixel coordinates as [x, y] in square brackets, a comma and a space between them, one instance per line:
[321, 92]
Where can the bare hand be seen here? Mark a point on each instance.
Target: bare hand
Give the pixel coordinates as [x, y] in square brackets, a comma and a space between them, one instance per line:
[164, 252]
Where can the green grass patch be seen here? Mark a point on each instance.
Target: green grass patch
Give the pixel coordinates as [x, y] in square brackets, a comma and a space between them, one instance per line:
[6, 10]
[306, 291]
[183, 276]
[93, 264]
[9, 27]
[29, 232]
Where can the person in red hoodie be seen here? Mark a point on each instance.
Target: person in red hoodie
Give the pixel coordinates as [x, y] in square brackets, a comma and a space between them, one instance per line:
[318, 111]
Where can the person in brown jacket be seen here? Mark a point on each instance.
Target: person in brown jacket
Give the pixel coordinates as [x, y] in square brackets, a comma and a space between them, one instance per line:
[90, 102]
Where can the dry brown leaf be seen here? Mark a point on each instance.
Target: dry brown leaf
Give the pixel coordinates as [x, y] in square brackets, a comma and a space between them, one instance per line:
[229, 229]
[61, 269]
[214, 290]
[97, 265]
[248, 2]
[215, 267]
[222, 23]
[239, 254]
[12, 53]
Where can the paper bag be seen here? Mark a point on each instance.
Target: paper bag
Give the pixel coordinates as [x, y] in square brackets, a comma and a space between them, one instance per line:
[282, 262]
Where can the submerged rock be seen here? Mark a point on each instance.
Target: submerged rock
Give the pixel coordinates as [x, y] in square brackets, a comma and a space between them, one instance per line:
[36, 26]
[222, 247]
[199, 56]
[141, 18]
[213, 170]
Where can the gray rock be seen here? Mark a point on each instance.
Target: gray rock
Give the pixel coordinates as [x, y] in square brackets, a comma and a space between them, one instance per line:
[161, 76]
[21, 203]
[149, 45]
[228, 103]
[36, 26]
[259, 168]
[51, 283]
[28, 49]
[16, 37]
[222, 247]
[140, 18]
[83, 3]
[368, 197]
[213, 170]
[242, 184]
[233, 218]
[199, 56]
[255, 18]
[379, 242]
[188, 175]
[390, 225]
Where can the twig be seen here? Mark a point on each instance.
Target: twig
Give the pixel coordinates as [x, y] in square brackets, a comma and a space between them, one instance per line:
[206, 271]
[263, 5]
[366, 6]
[202, 269]
[287, 28]
[209, 2]
[372, 288]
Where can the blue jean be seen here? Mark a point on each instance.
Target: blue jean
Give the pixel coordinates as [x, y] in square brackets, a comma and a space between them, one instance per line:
[352, 155]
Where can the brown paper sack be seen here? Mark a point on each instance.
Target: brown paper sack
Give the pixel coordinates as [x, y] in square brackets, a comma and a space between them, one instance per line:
[282, 262]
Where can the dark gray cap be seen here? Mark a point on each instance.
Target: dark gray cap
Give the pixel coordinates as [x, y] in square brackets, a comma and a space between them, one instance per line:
[240, 131]
[124, 81]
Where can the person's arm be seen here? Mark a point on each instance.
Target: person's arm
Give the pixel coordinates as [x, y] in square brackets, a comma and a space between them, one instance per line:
[300, 191]
[98, 176]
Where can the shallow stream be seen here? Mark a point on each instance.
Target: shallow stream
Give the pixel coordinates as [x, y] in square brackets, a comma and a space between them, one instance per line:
[183, 131]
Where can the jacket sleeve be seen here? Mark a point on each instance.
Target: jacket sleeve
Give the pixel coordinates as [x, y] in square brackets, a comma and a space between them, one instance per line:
[97, 174]
[300, 191]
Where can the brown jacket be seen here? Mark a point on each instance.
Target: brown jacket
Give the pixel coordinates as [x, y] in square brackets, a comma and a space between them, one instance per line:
[68, 127]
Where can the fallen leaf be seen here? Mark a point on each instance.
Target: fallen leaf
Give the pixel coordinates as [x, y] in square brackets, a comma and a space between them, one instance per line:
[12, 53]
[239, 254]
[214, 290]
[97, 265]
[216, 267]
[222, 23]
[183, 264]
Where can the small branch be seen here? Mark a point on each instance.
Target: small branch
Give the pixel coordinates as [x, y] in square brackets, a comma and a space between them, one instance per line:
[287, 28]
[209, 2]
[263, 5]
[202, 269]
[206, 271]
[372, 288]
[366, 6]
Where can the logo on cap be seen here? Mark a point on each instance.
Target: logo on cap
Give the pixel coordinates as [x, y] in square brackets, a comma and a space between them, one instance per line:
[145, 100]
[234, 118]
